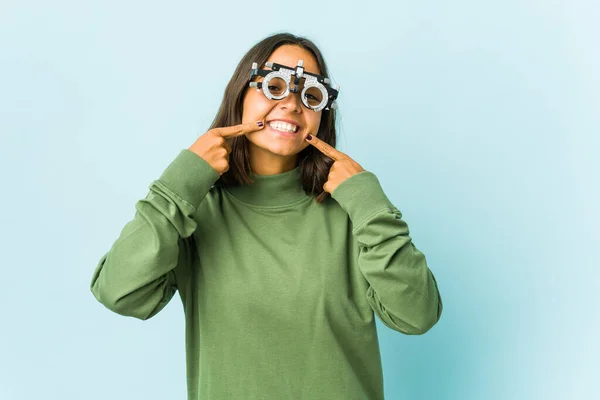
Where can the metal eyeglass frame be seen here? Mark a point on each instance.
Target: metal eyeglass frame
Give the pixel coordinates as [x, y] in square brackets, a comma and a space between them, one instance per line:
[285, 73]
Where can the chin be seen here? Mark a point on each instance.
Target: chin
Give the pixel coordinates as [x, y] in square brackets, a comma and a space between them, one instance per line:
[284, 150]
[281, 148]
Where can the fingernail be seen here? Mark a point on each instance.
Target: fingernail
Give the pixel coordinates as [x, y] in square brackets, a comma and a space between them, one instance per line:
[260, 124]
[309, 137]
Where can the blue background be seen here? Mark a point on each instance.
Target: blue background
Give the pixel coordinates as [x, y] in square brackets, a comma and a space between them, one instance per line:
[481, 120]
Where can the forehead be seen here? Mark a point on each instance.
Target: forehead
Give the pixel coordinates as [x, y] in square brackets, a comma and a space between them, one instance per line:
[289, 55]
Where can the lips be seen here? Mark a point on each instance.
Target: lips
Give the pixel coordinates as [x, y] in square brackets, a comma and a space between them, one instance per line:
[284, 125]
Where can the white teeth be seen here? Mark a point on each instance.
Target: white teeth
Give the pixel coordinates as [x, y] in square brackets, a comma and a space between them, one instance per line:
[283, 126]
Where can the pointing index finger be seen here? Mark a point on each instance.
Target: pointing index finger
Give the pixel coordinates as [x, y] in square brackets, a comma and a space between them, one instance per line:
[238, 130]
[326, 148]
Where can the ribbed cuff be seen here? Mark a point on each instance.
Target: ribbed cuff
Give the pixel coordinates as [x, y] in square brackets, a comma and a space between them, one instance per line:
[361, 196]
[190, 177]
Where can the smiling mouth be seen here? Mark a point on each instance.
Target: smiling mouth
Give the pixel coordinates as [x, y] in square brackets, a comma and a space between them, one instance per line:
[284, 127]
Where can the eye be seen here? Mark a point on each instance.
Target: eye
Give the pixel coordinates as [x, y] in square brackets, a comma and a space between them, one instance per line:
[276, 86]
[313, 96]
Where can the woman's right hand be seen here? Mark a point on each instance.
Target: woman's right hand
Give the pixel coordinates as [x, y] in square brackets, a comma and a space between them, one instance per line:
[213, 147]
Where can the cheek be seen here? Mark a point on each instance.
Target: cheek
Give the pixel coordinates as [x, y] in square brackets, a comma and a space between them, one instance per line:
[314, 120]
[255, 107]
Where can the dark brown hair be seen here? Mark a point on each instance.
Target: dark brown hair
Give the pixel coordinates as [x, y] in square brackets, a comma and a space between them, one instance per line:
[314, 165]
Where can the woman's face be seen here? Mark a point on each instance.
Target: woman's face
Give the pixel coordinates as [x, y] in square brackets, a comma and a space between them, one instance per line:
[257, 107]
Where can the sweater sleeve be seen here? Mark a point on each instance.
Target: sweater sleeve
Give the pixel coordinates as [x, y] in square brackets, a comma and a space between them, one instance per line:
[136, 277]
[402, 290]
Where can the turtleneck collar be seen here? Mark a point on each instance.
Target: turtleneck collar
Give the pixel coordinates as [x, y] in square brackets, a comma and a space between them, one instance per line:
[277, 190]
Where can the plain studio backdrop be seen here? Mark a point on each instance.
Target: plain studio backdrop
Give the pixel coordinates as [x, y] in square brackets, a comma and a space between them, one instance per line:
[480, 119]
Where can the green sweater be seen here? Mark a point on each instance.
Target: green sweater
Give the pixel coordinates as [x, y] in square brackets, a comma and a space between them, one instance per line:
[279, 292]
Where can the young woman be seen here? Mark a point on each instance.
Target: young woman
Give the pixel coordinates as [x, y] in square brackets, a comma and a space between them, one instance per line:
[282, 248]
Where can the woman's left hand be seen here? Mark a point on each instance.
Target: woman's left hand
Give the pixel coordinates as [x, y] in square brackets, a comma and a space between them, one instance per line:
[343, 167]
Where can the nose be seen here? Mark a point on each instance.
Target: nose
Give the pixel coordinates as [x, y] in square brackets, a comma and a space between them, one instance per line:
[291, 102]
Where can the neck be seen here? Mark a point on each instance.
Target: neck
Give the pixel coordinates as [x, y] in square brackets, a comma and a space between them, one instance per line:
[272, 190]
